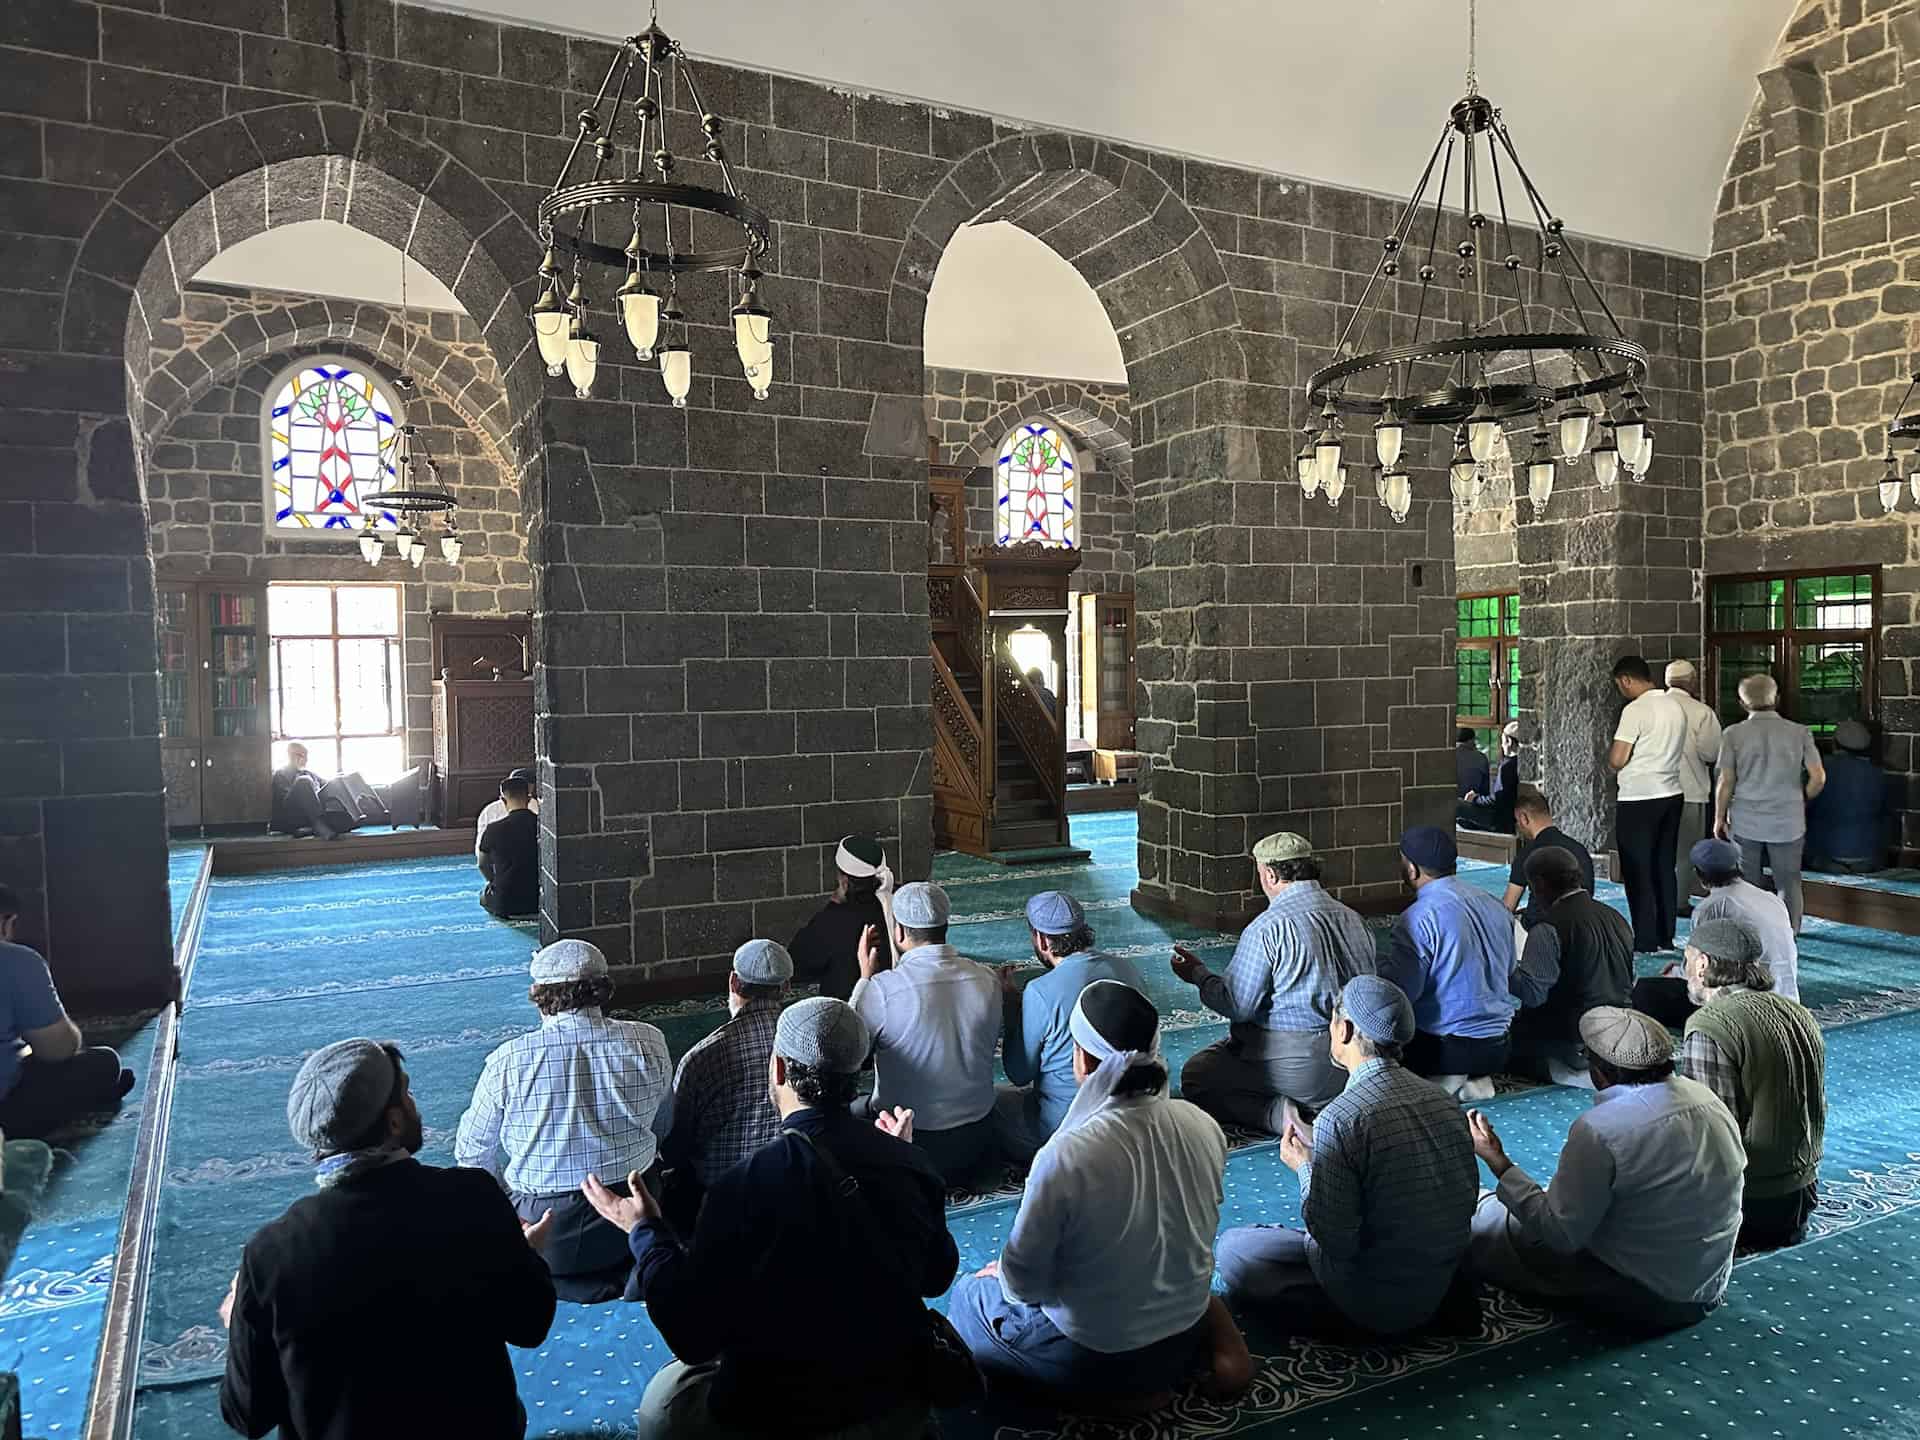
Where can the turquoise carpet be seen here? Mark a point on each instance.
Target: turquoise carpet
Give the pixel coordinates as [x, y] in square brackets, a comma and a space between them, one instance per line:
[400, 950]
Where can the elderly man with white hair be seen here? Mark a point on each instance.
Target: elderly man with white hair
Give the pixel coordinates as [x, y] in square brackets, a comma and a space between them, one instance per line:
[1638, 1227]
[935, 1018]
[1494, 811]
[1769, 770]
[1696, 781]
[554, 1105]
[1102, 1296]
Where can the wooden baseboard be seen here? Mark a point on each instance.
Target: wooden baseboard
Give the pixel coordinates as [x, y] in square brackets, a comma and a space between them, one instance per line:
[250, 854]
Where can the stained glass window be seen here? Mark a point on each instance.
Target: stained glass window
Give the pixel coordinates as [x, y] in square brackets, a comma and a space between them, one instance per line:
[332, 439]
[1034, 491]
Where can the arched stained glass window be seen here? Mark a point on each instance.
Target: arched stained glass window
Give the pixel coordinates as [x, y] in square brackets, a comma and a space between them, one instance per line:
[1035, 490]
[332, 439]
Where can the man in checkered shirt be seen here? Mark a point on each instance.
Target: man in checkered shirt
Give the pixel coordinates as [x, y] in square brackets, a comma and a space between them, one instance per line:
[722, 1110]
[577, 1097]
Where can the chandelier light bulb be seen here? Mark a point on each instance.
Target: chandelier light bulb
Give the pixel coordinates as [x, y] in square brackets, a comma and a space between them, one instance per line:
[639, 315]
[1576, 423]
[761, 376]
[419, 556]
[1913, 485]
[1308, 469]
[1460, 469]
[676, 371]
[1482, 430]
[1337, 486]
[450, 547]
[370, 544]
[1461, 483]
[1540, 484]
[1389, 437]
[583, 359]
[1326, 455]
[1606, 461]
[1889, 495]
[550, 322]
[1627, 436]
[1397, 492]
[1643, 462]
[1380, 485]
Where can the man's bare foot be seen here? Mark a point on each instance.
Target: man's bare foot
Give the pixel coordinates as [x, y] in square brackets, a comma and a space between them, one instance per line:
[1230, 1370]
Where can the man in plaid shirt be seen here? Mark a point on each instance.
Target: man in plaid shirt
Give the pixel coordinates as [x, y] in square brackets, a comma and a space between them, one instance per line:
[722, 1110]
[576, 1097]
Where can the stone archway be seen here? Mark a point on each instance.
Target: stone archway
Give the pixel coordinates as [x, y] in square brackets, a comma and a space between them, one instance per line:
[1164, 287]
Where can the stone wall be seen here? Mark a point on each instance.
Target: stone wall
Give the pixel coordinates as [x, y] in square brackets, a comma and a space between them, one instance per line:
[1813, 324]
[205, 468]
[969, 415]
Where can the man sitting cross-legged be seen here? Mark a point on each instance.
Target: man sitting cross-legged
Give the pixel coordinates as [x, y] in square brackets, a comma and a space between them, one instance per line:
[1453, 956]
[1579, 955]
[1387, 1189]
[1101, 1298]
[1730, 896]
[795, 1309]
[1639, 1224]
[720, 1110]
[1037, 1046]
[577, 1096]
[935, 1019]
[1764, 1056]
[1278, 992]
[385, 1303]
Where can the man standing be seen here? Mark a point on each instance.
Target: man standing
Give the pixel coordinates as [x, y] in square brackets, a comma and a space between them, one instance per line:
[826, 951]
[48, 1073]
[1534, 826]
[1387, 1190]
[575, 1097]
[1037, 1040]
[935, 1019]
[1494, 812]
[1730, 896]
[719, 1105]
[391, 1263]
[1769, 769]
[1103, 1293]
[832, 1229]
[510, 855]
[1470, 772]
[1639, 1225]
[1278, 993]
[1578, 958]
[1648, 742]
[496, 808]
[1764, 1056]
[1847, 820]
[1452, 956]
[1696, 786]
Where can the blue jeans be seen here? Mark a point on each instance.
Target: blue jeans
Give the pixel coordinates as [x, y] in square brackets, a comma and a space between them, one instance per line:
[1019, 1344]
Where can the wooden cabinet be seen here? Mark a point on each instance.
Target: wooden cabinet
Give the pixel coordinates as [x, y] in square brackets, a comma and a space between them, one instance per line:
[215, 751]
[1106, 671]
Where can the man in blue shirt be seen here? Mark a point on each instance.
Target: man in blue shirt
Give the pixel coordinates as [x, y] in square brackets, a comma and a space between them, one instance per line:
[1037, 1043]
[1847, 820]
[1453, 955]
[838, 1225]
[48, 1074]
[1279, 992]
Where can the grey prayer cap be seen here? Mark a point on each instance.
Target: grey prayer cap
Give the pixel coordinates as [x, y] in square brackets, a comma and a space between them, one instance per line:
[1054, 912]
[920, 906]
[1731, 940]
[824, 1034]
[763, 962]
[1625, 1039]
[340, 1094]
[1379, 1009]
[1852, 735]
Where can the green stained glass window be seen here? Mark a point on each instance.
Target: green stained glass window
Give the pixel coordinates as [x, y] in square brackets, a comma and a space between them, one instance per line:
[1479, 617]
[1749, 605]
[1832, 684]
[1513, 680]
[1474, 672]
[1833, 602]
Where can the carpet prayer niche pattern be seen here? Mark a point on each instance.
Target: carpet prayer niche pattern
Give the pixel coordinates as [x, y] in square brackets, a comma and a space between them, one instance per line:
[1812, 1337]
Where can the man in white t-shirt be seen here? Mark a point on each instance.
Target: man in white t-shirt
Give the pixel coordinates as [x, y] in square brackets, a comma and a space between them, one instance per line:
[1696, 785]
[1648, 743]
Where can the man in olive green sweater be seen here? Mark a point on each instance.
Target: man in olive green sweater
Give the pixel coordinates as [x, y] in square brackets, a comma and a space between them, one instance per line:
[1763, 1055]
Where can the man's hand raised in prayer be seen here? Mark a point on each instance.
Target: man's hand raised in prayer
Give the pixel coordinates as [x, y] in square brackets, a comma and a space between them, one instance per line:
[629, 1211]
[870, 954]
[897, 1122]
[989, 1271]
[537, 1232]
[1188, 966]
[1296, 1145]
[1486, 1143]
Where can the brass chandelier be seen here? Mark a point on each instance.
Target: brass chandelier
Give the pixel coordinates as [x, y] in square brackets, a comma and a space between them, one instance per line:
[647, 69]
[1503, 358]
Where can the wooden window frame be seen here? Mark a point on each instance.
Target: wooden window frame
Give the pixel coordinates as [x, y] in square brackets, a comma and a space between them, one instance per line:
[397, 701]
[1786, 642]
[1499, 646]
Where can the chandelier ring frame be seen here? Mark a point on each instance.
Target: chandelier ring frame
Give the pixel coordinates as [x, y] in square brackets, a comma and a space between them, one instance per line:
[418, 502]
[591, 194]
[1506, 400]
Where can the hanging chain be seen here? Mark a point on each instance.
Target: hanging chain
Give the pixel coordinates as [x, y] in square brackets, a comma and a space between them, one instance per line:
[1473, 38]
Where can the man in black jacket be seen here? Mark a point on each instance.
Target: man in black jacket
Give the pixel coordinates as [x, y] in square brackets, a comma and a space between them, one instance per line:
[826, 951]
[384, 1304]
[836, 1220]
[1578, 957]
[1494, 812]
[510, 854]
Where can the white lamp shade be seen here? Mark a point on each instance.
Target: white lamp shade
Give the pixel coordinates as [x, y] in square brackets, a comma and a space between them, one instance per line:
[550, 336]
[1643, 462]
[450, 548]
[583, 363]
[761, 376]
[1309, 469]
[403, 544]
[1913, 484]
[640, 314]
[1540, 484]
[1627, 436]
[1575, 425]
[1481, 433]
[1337, 486]
[1461, 482]
[676, 370]
[1606, 463]
[1889, 495]
[419, 556]
[1326, 457]
[1380, 485]
[370, 546]
[1461, 470]
[1389, 436]
[1398, 494]
[752, 338]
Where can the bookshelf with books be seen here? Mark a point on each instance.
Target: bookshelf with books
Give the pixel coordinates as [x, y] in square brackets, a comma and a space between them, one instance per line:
[213, 697]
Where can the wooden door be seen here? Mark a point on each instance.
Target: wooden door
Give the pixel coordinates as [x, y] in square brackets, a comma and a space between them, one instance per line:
[180, 771]
[236, 785]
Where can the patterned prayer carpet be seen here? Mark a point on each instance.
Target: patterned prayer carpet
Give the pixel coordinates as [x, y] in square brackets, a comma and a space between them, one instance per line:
[1817, 1336]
